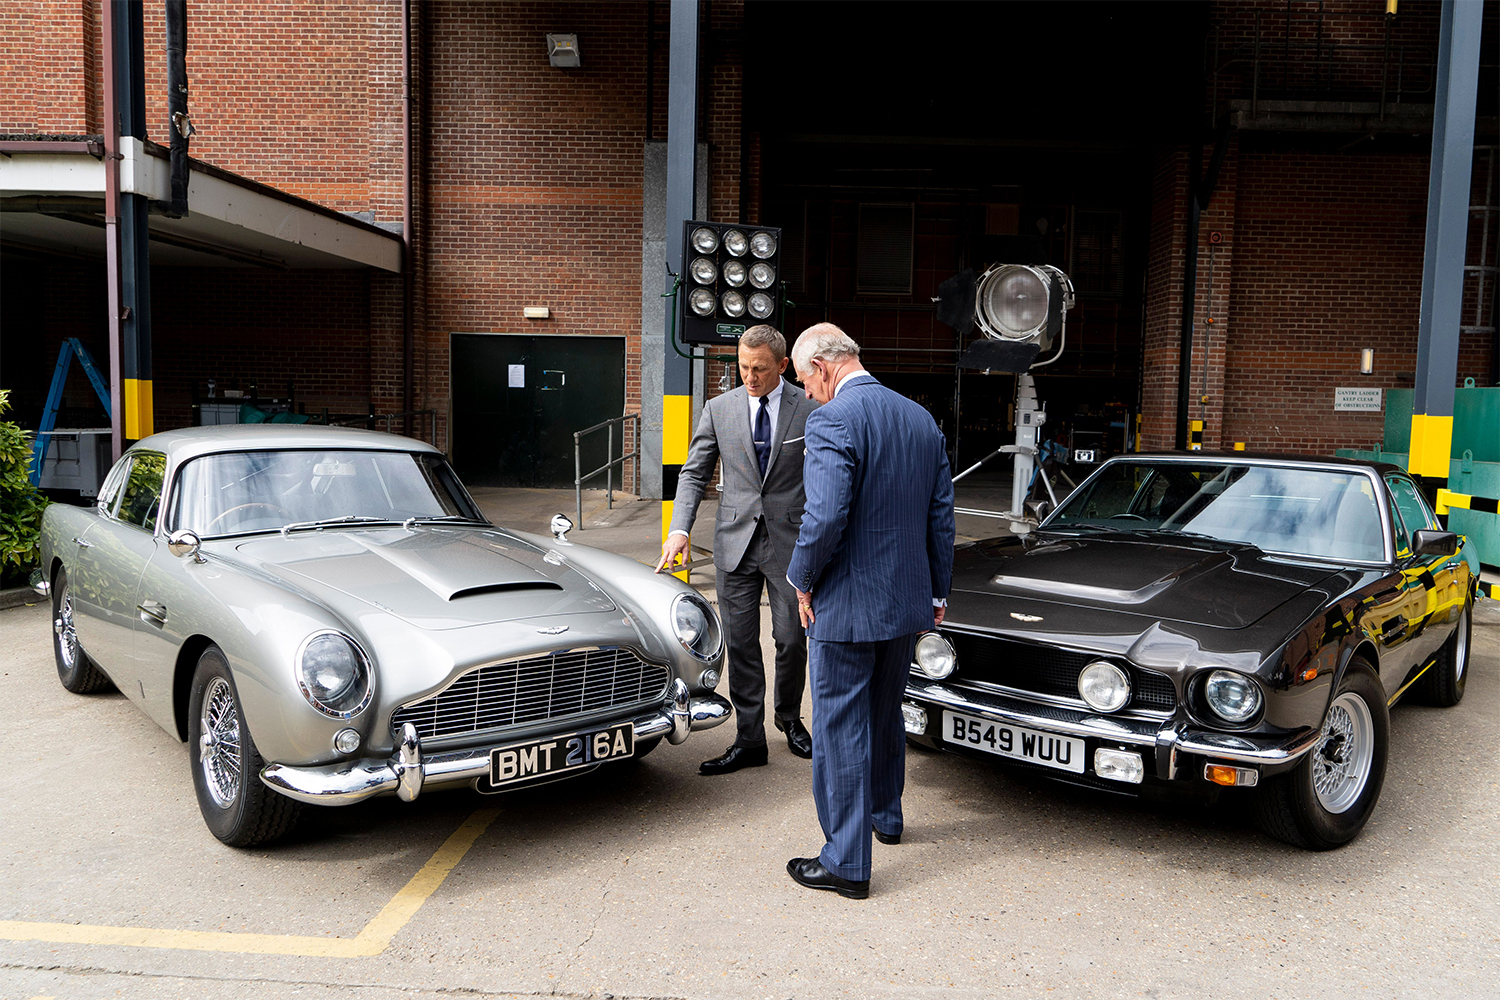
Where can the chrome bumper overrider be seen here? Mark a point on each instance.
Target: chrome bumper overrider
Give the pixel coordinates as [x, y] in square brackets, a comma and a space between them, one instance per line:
[407, 770]
[1166, 739]
[40, 583]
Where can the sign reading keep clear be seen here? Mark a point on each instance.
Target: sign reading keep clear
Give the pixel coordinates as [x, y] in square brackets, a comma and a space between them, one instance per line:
[1358, 399]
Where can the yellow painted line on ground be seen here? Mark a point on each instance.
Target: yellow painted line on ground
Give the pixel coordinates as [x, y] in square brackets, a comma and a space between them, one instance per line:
[373, 940]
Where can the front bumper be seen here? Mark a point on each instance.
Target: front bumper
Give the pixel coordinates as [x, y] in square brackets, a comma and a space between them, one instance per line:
[1164, 744]
[407, 771]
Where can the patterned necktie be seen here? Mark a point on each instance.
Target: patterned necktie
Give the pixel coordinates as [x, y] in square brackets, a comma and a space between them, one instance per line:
[763, 435]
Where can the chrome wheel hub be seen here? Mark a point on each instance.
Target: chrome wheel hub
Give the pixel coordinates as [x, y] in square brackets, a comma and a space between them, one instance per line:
[1341, 761]
[67, 635]
[219, 744]
[1461, 647]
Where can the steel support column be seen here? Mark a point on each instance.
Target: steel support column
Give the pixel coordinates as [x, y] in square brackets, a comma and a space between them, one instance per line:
[129, 83]
[682, 145]
[1447, 239]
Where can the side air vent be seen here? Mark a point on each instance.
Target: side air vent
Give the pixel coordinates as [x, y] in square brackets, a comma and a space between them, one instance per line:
[500, 588]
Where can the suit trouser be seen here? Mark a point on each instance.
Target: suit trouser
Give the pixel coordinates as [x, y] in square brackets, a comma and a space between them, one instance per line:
[859, 745]
[739, 606]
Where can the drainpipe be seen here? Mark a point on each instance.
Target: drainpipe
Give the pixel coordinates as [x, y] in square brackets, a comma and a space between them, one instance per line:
[179, 127]
[112, 231]
[408, 336]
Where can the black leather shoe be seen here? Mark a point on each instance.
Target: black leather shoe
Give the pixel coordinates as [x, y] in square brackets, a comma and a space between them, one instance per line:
[811, 873]
[887, 838]
[735, 758]
[798, 739]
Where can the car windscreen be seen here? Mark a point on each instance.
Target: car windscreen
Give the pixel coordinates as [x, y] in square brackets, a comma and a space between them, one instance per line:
[244, 491]
[1326, 514]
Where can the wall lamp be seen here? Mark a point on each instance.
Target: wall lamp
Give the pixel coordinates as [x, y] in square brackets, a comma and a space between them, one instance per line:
[1366, 361]
[562, 51]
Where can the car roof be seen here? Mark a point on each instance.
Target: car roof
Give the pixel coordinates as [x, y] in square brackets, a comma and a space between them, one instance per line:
[190, 442]
[1263, 458]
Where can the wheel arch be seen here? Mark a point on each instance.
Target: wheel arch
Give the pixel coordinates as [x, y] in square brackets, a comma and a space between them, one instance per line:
[182, 680]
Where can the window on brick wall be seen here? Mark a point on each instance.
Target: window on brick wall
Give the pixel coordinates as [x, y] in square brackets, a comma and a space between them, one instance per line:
[1098, 266]
[884, 248]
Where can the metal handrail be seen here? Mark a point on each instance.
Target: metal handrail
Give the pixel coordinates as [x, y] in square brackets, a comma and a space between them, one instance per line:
[608, 468]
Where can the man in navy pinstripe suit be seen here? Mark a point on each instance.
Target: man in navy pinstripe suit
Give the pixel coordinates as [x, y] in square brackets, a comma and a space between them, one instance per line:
[872, 567]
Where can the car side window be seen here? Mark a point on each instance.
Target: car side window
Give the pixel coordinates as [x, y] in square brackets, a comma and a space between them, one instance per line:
[1411, 504]
[1398, 521]
[109, 493]
[142, 498]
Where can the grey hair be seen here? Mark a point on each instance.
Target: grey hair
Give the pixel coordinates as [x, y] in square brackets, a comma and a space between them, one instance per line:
[765, 335]
[825, 342]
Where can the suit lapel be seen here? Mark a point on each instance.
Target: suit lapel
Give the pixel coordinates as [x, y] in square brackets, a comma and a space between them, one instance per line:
[789, 402]
[743, 430]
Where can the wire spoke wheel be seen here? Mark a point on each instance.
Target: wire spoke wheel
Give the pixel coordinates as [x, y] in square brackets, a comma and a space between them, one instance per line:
[67, 633]
[1341, 761]
[220, 756]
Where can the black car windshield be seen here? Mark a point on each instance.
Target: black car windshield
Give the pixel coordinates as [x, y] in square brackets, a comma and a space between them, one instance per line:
[1323, 513]
[245, 491]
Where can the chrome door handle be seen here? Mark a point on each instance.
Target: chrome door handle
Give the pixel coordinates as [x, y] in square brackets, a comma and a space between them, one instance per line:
[153, 613]
[82, 544]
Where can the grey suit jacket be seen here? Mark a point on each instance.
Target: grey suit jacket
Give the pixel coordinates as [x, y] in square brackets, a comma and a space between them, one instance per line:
[724, 433]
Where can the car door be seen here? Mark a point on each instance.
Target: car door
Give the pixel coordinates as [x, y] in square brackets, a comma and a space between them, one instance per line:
[122, 546]
[90, 574]
[1436, 581]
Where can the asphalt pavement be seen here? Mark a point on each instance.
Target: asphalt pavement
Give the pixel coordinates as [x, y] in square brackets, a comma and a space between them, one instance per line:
[646, 880]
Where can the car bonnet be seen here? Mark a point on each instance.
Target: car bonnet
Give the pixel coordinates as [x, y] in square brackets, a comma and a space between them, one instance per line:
[432, 577]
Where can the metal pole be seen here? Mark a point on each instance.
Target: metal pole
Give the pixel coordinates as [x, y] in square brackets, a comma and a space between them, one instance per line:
[577, 480]
[112, 231]
[135, 257]
[1447, 236]
[682, 147]
[609, 468]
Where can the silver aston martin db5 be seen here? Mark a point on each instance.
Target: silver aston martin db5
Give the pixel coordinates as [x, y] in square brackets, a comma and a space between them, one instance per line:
[324, 614]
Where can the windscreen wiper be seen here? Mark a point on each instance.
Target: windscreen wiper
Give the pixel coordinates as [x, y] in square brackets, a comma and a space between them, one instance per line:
[332, 521]
[443, 519]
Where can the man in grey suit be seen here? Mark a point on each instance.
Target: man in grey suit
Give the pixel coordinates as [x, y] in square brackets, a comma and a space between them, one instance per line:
[756, 430]
[872, 568]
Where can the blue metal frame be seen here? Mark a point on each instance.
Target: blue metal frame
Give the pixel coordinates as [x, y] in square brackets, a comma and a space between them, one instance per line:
[70, 347]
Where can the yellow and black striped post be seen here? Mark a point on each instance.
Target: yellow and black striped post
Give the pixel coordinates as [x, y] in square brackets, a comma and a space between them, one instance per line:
[1195, 435]
[1447, 499]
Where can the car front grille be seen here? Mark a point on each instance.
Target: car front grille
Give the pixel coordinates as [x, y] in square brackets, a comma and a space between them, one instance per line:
[1024, 666]
[557, 686]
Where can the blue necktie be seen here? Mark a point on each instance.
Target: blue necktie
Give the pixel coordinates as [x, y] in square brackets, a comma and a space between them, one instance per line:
[763, 436]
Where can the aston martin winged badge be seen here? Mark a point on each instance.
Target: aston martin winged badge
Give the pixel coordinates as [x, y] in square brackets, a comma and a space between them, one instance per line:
[1025, 618]
[553, 630]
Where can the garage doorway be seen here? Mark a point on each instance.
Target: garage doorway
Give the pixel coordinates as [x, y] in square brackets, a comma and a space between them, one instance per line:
[517, 401]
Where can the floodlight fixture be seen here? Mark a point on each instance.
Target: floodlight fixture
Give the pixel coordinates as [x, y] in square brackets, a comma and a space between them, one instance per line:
[732, 280]
[1022, 303]
[562, 51]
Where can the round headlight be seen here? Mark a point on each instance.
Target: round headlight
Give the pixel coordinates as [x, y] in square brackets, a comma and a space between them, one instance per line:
[696, 627]
[333, 676]
[735, 243]
[763, 245]
[1233, 697]
[761, 305]
[705, 240]
[762, 275]
[702, 301]
[1015, 301]
[733, 303]
[734, 273]
[704, 271]
[935, 656]
[1104, 686]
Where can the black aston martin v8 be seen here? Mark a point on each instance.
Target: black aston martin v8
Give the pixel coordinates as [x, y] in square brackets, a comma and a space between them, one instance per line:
[1227, 619]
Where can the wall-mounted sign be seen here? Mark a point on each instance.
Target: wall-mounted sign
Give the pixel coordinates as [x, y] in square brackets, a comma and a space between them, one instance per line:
[517, 376]
[1358, 399]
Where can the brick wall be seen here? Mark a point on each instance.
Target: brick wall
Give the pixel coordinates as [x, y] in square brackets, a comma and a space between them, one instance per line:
[50, 48]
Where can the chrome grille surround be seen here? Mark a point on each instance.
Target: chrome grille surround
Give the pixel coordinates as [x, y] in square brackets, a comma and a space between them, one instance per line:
[556, 686]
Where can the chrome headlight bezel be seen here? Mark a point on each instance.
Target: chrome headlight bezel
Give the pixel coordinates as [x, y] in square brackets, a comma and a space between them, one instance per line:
[707, 651]
[362, 680]
[1104, 686]
[1251, 703]
[935, 656]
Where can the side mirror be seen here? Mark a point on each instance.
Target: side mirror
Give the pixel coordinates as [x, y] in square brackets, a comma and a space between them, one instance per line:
[185, 542]
[560, 526]
[1427, 542]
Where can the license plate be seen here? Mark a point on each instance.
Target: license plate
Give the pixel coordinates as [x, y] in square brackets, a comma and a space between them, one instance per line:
[1083, 454]
[558, 754]
[1004, 740]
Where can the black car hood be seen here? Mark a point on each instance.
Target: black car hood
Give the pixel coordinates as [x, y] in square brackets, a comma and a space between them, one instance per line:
[1161, 578]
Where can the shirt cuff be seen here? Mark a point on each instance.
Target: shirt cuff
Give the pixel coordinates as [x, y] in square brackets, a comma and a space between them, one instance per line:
[940, 602]
[677, 531]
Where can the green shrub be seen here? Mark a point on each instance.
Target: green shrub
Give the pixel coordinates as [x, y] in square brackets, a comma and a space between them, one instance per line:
[20, 504]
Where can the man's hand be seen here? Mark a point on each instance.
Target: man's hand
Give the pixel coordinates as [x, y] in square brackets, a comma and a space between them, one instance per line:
[938, 613]
[673, 551]
[804, 608]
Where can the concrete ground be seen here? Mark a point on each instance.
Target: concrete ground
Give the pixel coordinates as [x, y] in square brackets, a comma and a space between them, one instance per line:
[647, 880]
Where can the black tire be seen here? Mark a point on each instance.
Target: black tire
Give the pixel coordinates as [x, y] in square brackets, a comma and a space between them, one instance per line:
[1325, 800]
[237, 806]
[1443, 683]
[77, 672]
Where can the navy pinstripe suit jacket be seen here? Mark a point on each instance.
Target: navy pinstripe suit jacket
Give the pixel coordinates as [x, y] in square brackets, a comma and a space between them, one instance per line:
[876, 544]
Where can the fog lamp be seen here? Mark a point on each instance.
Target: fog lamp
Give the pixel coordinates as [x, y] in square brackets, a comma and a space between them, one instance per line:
[915, 717]
[346, 740]
[1119, 765]
[709, 679]
[1104, 686]
[1223, 774]
[935, 656]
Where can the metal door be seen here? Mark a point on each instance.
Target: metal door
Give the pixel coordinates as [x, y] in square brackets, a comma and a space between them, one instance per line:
[517, 401]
